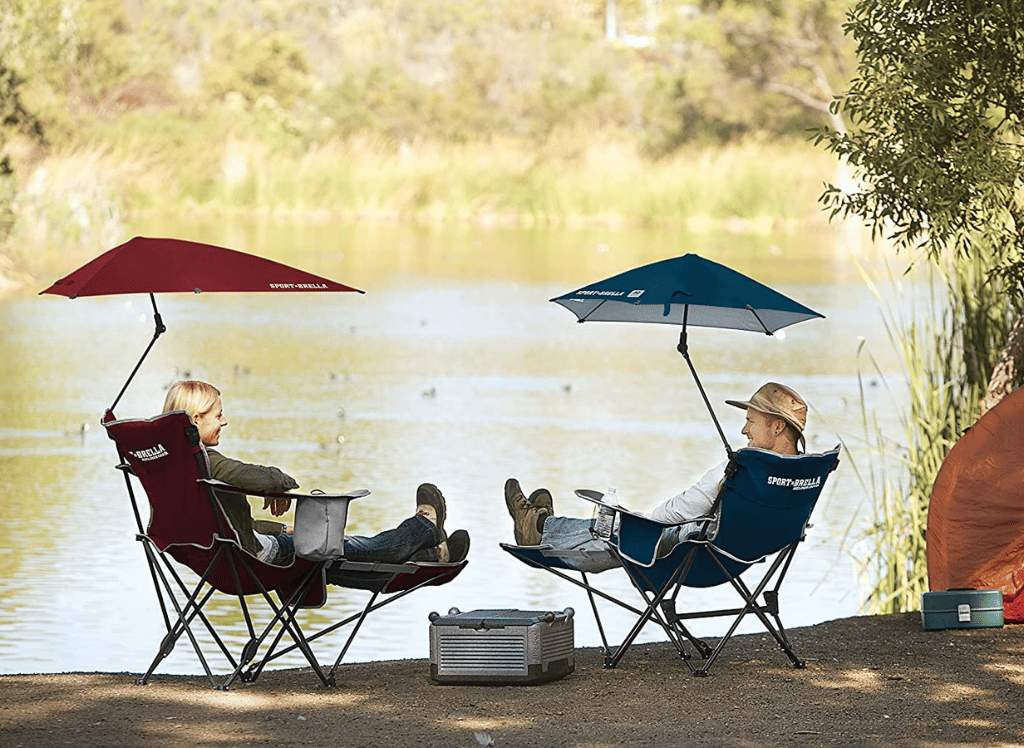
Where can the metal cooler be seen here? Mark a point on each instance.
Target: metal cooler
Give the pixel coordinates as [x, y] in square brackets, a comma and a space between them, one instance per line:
[501, 647]
[962, 609]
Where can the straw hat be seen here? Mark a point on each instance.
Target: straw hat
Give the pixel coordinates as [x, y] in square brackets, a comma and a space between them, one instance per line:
[778, 400]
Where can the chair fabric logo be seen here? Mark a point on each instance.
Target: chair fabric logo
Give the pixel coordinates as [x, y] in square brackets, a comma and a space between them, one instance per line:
[797, 484]
[153, 453]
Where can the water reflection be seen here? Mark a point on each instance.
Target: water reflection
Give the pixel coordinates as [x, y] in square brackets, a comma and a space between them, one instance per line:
[453, 369]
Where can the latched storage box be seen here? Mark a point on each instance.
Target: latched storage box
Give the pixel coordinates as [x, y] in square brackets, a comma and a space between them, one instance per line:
[962, 609]
[501, 647]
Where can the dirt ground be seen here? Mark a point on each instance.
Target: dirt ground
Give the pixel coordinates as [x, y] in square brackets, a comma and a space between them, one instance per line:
[869, 681]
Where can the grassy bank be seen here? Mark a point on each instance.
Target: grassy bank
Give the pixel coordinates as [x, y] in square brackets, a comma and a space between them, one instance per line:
[81, 195]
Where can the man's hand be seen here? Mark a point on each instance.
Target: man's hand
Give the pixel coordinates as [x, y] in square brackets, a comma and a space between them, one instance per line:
[277, 507]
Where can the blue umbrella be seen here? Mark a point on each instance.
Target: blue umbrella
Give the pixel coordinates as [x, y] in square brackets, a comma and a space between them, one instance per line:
[687, 291]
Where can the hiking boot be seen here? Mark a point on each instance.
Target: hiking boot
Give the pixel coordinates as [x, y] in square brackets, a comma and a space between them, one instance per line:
[430, 503]
[457, 547]
[527, 518]
[541, 499]
[515, 501]
[542, 506]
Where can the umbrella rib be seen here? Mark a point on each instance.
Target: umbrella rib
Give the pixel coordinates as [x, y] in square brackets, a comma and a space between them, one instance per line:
[587, 315]
[759, 321]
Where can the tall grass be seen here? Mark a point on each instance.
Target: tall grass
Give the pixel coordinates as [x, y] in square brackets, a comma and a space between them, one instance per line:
[949, 349]
[574, 178]
[578, 180]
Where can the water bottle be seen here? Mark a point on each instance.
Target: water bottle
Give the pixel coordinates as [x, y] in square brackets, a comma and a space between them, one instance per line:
[605, 516]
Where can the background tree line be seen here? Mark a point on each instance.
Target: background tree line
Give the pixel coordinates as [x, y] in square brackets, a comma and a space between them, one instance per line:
[662, 72]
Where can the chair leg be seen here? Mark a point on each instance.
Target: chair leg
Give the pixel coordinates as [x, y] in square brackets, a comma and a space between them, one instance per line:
[284, 619]
[597, 616]
[655, 597]
[751, 606]
[651, 612]
[351, 637]
[192, 608]
[674, 622]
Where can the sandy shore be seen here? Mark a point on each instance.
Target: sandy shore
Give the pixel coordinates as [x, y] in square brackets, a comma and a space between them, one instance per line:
[869, 681]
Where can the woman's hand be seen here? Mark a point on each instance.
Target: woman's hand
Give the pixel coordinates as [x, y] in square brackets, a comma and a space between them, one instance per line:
[277, 507]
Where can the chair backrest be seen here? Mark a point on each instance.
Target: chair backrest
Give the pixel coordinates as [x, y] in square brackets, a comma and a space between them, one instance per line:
[764, 505]
[167, 457]
[165, 454]
[766, 502]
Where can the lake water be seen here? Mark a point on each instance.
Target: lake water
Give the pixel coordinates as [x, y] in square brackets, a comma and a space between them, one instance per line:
[453, 368]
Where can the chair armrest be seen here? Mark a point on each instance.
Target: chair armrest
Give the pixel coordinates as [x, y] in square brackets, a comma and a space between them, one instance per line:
[222, 486]
[638, 535]
[596, 497]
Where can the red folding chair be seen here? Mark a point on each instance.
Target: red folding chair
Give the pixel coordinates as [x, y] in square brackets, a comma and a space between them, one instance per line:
[188, 525]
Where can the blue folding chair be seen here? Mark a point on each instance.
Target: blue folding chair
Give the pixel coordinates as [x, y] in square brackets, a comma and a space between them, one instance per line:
[762, 512]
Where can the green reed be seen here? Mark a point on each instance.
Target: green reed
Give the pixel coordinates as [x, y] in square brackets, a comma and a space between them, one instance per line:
[949, 349]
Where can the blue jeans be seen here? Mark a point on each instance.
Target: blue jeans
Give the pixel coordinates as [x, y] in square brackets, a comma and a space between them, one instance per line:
[572, 534]
[415, 539]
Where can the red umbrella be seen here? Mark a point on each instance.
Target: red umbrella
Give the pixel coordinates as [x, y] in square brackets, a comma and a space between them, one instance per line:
[147, 265]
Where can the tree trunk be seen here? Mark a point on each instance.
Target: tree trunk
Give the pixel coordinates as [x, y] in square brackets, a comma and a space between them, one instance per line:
[1006, 373]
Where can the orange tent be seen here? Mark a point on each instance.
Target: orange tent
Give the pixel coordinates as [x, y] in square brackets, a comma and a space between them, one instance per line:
[976, 513]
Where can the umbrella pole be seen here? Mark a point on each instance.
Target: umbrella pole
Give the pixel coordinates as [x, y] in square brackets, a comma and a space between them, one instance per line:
[684, 349]
[158, 330]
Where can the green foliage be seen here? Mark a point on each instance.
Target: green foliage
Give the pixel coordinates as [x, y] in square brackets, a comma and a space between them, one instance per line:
[794, 53]
[258, 65]
[937, 108]
[936, 138]
[949, 350]
[221, 106]
[15, 119]
[428, 69]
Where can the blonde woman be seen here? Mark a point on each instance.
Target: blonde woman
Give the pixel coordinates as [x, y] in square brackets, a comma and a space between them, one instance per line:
[421, 537]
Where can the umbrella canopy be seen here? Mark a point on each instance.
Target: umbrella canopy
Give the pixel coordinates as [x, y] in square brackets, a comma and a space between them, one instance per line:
[151, 266]
[687, 291]
[147, 265]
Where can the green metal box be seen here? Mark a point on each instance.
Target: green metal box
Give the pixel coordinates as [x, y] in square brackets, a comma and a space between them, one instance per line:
[962, 609]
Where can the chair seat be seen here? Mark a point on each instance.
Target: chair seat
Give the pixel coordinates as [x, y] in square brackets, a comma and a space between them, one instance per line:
[392, 578]
[575, 559]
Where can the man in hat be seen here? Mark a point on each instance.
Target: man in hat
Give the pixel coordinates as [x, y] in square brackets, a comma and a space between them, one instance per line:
[776, 417]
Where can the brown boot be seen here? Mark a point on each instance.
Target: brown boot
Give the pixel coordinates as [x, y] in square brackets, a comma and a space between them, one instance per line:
[455, 548]
[527, 515]
[430, 503]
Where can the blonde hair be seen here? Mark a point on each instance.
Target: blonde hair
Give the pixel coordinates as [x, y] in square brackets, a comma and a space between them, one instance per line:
[192, 396]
